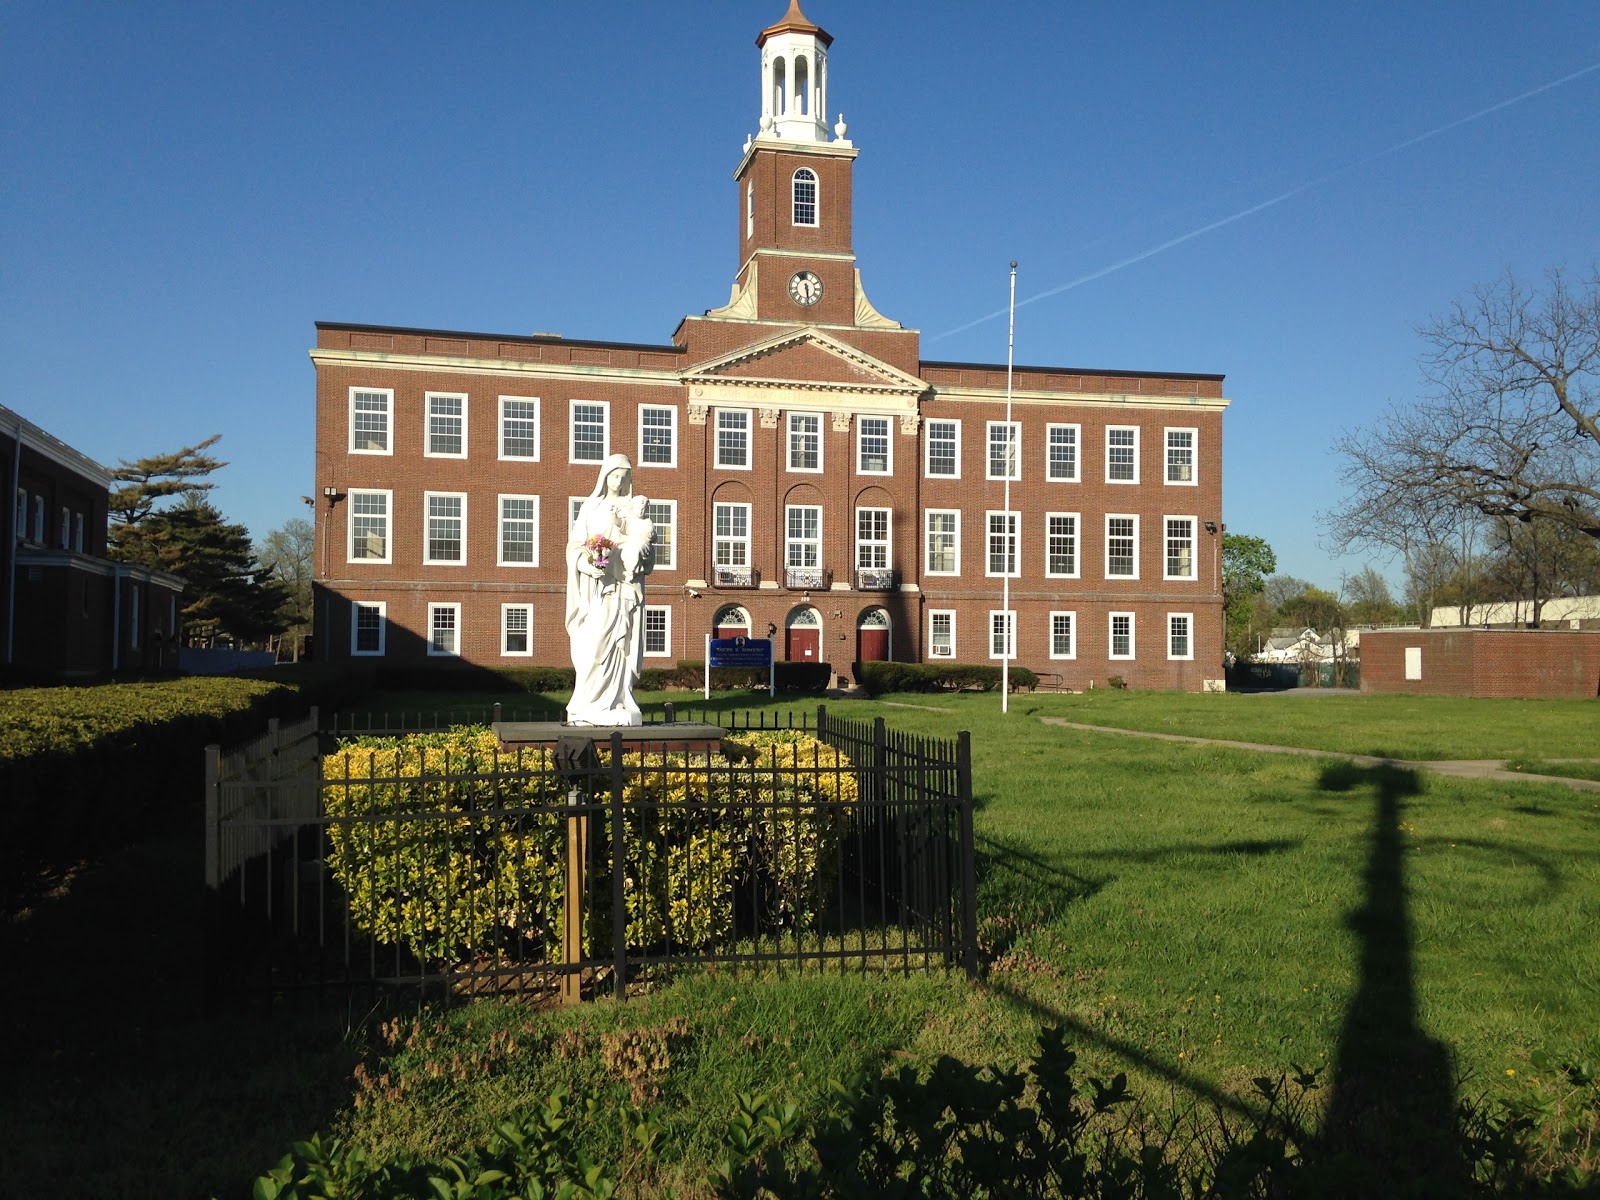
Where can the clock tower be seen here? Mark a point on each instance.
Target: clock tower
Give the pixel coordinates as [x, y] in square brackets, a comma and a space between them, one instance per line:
[796, 260]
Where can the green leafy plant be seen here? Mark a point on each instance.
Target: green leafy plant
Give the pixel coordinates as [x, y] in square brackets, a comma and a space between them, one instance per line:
[880, 677]
[447, 845]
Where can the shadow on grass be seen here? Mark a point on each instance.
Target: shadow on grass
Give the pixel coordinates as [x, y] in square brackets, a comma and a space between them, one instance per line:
[1023, 884]
[1391, 1126]
[121, 1084]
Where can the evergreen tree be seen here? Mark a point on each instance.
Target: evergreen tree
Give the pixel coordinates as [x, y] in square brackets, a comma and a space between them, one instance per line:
[228, 592]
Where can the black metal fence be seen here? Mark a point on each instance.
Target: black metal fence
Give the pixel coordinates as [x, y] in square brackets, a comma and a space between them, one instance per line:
[455, 867]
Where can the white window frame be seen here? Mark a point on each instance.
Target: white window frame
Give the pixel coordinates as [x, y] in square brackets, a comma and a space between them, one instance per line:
[1016, 543]
[884, 544]
[815, 202]
[1166, 548]
[1071, 617]
[1077, 546]
[382, 607]
[1133, 429]
[500, 530]
[718, 541]
[990, 428]
[665, 612]
[505, 631]
[433, 650]
[572, 431]
[38, 519]
[789, 435]
[669, 560]
[388, 526]
[716, 436]
[888, 445]
[1194, 456]
[1076, 475]
[1111, 637]
[928, 535]
[388, 420]
[1009, 634]
[574, 504]
[791, 543]
[532, 400]
[427, 424]
[750, 209]
[1188, 635]
[672, 435]
[927, 453]
[427, 529]
[942, 612]
[1106, 564]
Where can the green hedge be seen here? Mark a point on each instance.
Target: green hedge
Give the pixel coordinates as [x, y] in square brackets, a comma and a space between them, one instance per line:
[84, 768]
[879, 677]
[424, 866]
[686, 674]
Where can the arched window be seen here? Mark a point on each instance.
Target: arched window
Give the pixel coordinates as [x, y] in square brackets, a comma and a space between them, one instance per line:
[750, 209]
[805, 196]
[731, 621]
[802, 87]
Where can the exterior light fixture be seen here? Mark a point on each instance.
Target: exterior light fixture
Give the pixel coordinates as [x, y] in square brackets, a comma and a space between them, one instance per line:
[1211, 526]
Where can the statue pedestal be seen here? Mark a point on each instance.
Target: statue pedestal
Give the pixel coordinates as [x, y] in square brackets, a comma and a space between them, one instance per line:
[677, 736]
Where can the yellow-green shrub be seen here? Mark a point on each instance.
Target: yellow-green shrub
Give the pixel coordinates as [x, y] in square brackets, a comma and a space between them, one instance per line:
[443, 879]
[434, 872]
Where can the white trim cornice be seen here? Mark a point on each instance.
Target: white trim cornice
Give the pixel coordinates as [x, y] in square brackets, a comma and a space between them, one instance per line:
[971, 395]
[791, 146]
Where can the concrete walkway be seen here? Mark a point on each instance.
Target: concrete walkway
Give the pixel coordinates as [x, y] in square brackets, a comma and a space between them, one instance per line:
[1461, 768]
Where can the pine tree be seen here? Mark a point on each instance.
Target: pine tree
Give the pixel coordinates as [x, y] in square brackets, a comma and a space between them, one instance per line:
[228, 592]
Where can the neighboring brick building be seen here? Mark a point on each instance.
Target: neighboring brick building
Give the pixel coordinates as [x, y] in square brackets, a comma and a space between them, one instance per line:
[810, 470]
[1500, 663]
[67, 610]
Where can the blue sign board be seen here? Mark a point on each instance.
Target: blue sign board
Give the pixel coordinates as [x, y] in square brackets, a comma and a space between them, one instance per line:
[741, 652]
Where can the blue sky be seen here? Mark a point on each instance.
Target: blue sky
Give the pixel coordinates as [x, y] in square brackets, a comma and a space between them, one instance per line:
[187, 188]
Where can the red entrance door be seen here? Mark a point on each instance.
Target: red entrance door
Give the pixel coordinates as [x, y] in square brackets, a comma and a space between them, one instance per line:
[872, 643]
[732, 631]
[804, 644]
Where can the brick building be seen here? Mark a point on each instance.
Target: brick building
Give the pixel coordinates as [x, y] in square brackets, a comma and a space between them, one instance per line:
[66, 610]
[808, 469]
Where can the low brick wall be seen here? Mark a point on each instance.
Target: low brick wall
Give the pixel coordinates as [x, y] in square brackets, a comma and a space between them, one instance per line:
[1512, 663]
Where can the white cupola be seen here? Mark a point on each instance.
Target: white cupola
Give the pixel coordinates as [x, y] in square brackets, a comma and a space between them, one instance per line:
[794, 79]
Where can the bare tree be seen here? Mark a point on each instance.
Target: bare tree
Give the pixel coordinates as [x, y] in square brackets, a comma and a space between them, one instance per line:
[1509, 428]
[287, 554]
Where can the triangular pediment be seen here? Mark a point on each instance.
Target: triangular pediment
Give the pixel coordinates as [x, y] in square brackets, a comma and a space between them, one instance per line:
[808, 360]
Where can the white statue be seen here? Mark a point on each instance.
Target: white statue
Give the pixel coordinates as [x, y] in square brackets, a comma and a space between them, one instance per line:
[608, 555]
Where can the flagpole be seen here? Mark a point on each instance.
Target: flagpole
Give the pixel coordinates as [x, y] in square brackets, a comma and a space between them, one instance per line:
[1009, 632]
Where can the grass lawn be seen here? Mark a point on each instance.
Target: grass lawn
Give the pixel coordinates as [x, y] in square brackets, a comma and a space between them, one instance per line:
[1195, 916]
[1568, 768]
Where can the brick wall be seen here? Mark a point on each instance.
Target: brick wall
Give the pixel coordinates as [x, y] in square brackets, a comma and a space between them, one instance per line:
[1508, 663]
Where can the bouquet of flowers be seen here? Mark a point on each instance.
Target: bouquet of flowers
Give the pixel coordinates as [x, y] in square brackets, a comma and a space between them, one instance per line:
[598, 548]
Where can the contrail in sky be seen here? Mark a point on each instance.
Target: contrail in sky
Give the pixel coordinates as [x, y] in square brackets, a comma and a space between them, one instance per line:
[1278, 199]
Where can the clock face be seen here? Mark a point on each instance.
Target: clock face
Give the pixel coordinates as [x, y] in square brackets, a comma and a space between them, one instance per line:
[805, 288]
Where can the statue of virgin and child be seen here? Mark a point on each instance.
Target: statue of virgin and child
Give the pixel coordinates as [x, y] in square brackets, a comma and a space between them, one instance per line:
[609, 553]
